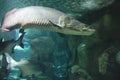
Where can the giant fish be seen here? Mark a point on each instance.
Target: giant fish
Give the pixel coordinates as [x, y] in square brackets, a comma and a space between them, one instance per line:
[44, 18]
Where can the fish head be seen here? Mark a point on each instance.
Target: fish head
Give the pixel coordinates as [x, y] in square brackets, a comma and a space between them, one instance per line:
[9, 20]
[75, 27]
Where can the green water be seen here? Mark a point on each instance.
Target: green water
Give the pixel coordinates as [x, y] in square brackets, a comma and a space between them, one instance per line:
[55, 56]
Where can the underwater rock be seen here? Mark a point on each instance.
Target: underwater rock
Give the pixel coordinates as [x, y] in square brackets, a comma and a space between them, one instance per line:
[60, 64]
[73, 42]
[107, 27]
[78, 73]
[74, 68]
[103, 63]
[106, 59]
[118, 57]
[83, 57]
[87, 5]
[42, 45]
[30, 69]
[42, 77]
[41, 52]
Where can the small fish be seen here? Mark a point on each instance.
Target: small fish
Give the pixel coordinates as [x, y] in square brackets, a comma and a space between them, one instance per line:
[44, 18]
[7, 46]
[25, 65]
[12, 63]
[3, 62]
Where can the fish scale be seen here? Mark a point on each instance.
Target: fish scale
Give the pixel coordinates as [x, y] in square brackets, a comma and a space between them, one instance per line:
[40, 22]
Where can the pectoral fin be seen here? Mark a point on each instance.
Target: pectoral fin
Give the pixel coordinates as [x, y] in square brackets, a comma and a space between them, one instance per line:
[55, 25]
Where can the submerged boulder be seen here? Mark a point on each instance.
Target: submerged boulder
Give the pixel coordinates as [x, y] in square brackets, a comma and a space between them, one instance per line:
[118, 57]
[77, 73]
[42, 48]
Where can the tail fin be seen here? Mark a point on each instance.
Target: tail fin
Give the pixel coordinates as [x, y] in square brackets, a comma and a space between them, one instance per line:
[22, 33]
[12, 63]
[22, 62]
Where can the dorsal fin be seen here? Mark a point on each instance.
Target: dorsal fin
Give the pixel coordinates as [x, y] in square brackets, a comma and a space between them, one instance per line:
[55, 25]
[11, 11]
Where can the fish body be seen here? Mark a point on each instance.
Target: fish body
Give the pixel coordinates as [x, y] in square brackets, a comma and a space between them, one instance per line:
[7, 46]
[24, 65]
[7, 62]
[3, 66]
[44, 18]
[12, 63]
